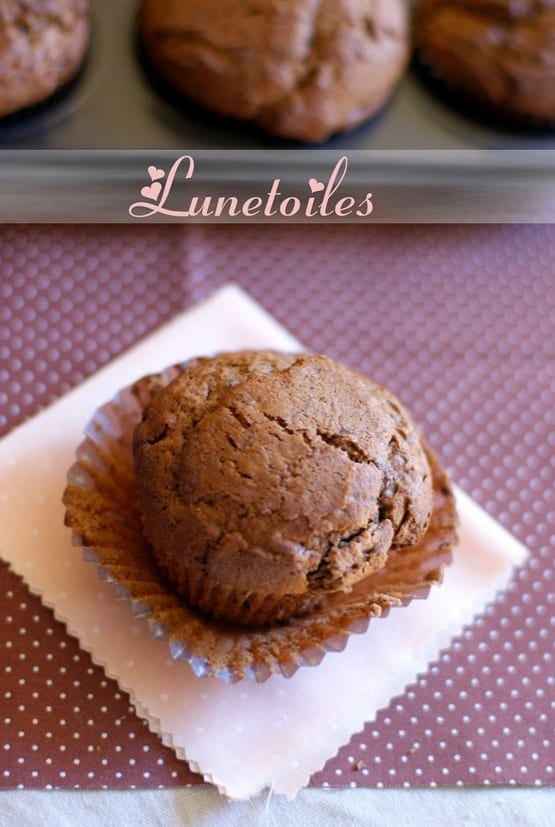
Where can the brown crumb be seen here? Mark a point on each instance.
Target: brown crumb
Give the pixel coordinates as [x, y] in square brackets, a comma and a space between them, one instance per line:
[359, 765]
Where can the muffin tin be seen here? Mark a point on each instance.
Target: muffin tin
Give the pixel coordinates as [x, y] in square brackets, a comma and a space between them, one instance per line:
[115, 103]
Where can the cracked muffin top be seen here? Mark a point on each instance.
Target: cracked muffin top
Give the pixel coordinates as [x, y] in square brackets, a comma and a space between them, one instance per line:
[301, 69]
[267, 480]
[42, 45]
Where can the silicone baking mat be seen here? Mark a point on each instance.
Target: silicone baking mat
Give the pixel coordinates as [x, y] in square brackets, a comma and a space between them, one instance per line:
[457, 321]
[115, 103]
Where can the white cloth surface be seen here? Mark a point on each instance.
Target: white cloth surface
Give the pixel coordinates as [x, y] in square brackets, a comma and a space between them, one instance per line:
[204, 807]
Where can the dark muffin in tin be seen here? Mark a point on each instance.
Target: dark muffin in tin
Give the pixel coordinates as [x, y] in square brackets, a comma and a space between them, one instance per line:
[42, 46]
[301, 69]
[496, 57]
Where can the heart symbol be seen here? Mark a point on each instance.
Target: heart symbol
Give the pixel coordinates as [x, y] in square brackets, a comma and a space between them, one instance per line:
[315, 186]
[152, 192]
[155, 173]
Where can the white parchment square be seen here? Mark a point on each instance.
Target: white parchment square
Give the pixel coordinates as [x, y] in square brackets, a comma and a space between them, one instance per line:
[247, 736]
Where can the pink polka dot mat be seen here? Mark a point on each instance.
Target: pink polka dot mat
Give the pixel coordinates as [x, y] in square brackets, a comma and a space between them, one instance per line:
[458, 321]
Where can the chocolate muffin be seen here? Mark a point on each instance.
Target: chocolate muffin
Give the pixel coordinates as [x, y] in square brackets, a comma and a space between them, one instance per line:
[268, 481]
[42, 45]
[301, 69]
[495, 55]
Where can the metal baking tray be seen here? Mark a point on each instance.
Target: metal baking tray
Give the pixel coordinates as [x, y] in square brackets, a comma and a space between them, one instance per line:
[116, 104]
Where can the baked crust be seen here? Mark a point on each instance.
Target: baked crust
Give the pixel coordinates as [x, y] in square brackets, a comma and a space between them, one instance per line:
[42, 45]
[268, 480]
[499, 55]
[301, 69]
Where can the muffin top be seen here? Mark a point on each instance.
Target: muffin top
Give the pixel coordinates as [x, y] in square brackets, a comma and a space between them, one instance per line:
[301, 69]
[499, 53]
[279, 473]
[42, 44]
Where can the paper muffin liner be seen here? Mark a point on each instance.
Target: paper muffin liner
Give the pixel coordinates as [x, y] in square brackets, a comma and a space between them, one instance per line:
[102, 508]
[238, 606]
